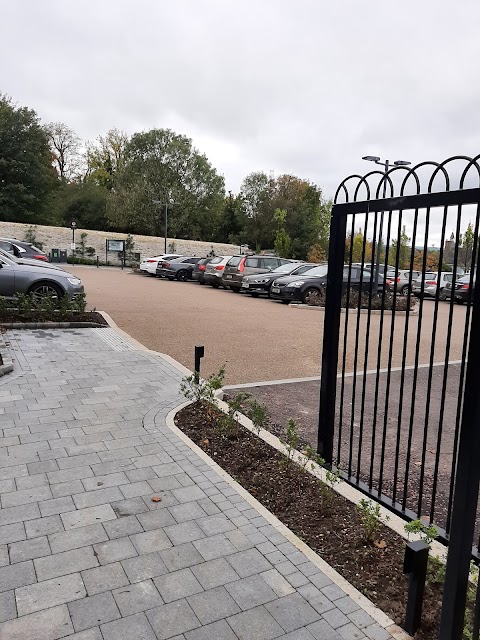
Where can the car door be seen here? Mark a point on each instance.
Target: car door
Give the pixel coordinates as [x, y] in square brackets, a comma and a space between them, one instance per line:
[253, 265]
[7, 279]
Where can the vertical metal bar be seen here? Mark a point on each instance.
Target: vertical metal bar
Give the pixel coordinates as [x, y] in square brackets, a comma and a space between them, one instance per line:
[462, 369]
[345, 343]
[365, 362]
[404, 355]
[430, 369]
[466, 491]
[389, 368]
[355, 358]
[417, 346]
[165, 226]
[379, 363]
[331, 334]
[445, 373]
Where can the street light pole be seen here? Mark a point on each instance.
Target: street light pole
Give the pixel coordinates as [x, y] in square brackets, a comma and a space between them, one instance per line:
[386, 166]
[166, 226]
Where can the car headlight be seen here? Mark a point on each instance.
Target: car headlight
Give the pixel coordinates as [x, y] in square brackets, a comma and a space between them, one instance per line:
[297, 283]
[261, 280]
[74, 281]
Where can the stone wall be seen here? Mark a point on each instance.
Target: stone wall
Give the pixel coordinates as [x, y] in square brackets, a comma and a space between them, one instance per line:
[60, 238]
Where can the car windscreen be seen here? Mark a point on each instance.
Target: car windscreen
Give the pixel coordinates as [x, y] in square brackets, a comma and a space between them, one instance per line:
[318, 271]
[286, 268]
[32, 246]
[235, 261]
[216, 260]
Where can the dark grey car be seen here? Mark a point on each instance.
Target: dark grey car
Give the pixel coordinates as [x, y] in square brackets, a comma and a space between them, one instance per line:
[21, 249]
[239, 266]
[24, 278]
[260, 283]
[179, 269]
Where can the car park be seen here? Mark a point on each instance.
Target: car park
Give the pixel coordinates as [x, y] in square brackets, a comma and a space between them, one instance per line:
[461, 290]
[243, 265]
[199, 269]
[403, 279]
[312, 285]
[432, 282]
[178, 268]
[20, 249]
[16, 278]
[260, 283]
[214, 270]
[149, 265]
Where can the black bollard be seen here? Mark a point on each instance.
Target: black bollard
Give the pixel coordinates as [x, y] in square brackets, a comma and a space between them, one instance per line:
[415, 565]
[98, 262]
[199, 353]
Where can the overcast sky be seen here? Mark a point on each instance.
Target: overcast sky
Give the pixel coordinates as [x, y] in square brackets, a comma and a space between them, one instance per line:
[300, 86]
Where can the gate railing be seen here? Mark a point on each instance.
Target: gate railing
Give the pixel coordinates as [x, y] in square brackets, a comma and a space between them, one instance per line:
[400, 386]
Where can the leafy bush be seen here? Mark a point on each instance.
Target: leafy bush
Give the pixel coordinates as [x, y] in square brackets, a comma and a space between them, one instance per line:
[377, 302]
[29, 305]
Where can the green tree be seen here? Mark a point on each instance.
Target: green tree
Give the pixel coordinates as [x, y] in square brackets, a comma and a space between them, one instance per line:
[65, 148]
[84, 202]
[466, 250]
[105, 157]
[162, 165]
[27, 177]
[404, 251]
[282, 239]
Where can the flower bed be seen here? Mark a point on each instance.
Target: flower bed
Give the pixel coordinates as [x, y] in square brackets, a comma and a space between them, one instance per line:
[47, 309]
[334, 527]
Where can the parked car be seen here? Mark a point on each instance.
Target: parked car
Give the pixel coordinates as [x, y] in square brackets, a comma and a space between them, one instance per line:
[432, 282]
[25, 278]
[214, 270]
[402, 277]
[33, 263]
[20, 249]
[178, 268]
[239, 266]
[260, 283]
[199, 269]
[383, 270]
[312, 284]
[149, 265]
[461, 289]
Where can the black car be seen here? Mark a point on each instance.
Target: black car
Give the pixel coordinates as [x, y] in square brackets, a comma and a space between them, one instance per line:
[179, 268]
[462, 290]
[198, 273]
[312, 285]
[260, 283]
[21, 249]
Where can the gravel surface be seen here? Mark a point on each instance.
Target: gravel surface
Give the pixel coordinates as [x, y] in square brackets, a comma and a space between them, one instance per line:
[259, 339]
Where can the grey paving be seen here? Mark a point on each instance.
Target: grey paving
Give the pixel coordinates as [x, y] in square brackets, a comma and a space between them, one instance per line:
[84, 551]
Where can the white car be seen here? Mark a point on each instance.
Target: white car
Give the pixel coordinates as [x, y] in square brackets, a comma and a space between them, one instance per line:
[431, 283]
[149, 265]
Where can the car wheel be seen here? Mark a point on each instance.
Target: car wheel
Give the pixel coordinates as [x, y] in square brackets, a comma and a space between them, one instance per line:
[313, 296]
[254, 295]
[285, 301]
[405, 289]
[201, 282]
[235, 290]
[215, 285]
[42, 289]
[182, 275]
[459, 301]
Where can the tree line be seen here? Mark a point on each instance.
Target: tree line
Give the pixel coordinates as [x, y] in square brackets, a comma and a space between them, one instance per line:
[48, 175]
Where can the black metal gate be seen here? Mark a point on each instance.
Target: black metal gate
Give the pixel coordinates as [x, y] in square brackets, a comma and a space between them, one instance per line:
[400, 388]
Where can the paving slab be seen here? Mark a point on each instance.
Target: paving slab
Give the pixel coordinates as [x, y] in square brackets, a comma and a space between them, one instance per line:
[91, 556]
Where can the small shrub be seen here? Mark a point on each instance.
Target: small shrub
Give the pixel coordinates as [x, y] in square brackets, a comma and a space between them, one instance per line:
[427, 532]
[172, 247]
[90, 251]
[31, 236]
[363, 301]
[228, 422]
[202, 390]
[369, 513]
[258, 414]
[290, 441]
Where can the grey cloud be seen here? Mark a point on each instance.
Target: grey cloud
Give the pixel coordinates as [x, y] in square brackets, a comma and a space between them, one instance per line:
[306, 87]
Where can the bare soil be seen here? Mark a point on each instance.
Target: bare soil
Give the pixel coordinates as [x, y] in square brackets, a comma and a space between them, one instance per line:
[327, 522]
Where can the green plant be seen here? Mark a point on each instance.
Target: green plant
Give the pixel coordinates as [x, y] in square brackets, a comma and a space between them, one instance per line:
[290, 441]
[369, 513]
[172, 247]
[228, 422]
[31, 236]
[80, 250]
[427, 532]
[200, 389]
[90, 251]
[258, 414]
[332, 476]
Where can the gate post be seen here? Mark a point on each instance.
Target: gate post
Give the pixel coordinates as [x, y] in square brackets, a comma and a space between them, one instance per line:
[331, 334]
[466, 490]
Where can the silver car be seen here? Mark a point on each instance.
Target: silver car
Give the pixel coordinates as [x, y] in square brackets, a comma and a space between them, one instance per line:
[402, 276]
[431, 282]
[39, 280]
